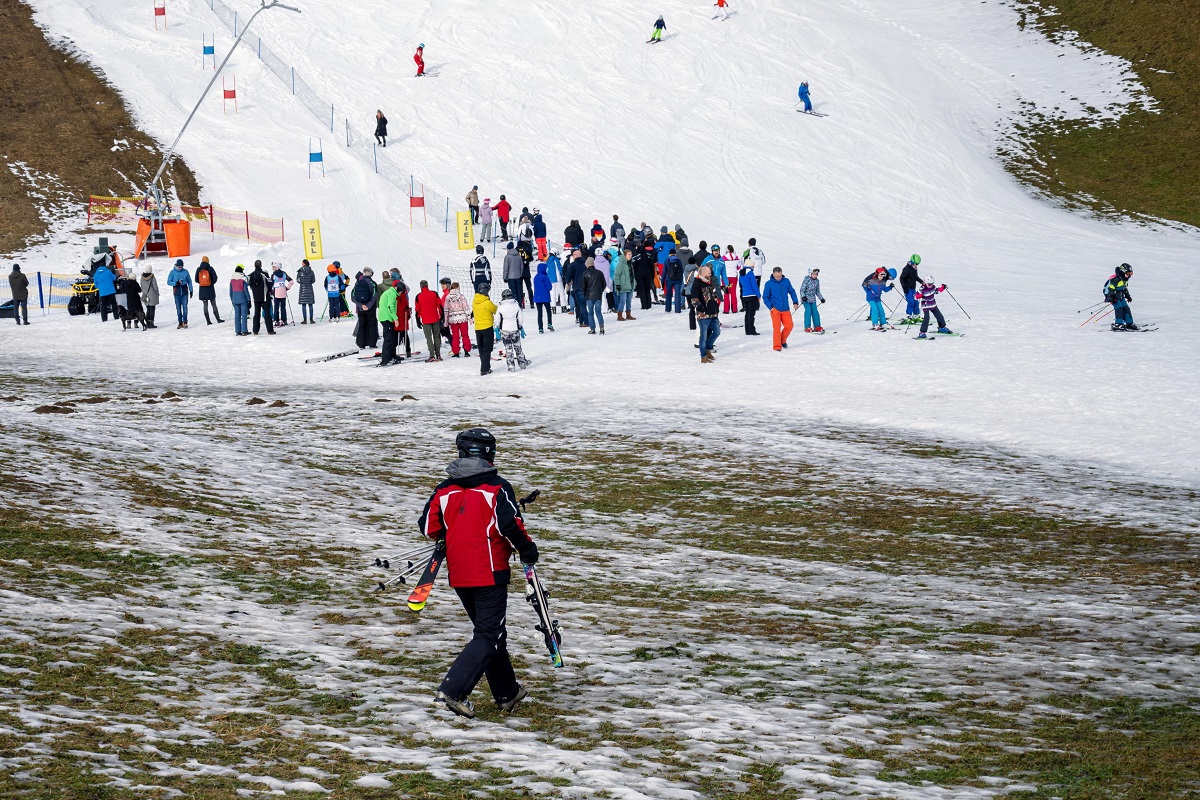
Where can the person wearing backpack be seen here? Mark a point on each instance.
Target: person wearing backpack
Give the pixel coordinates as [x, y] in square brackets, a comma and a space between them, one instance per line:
[305, 277]
[673, 283]
[755, 259]
[206, 289]
[281, 282]
[239, 296]
[181, 289]
[366, 299]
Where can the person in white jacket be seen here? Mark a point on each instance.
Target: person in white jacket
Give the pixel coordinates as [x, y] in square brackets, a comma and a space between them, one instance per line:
[508, 323]
[756, 260]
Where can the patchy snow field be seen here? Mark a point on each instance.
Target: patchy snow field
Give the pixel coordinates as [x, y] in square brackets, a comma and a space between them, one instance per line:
[864, 567]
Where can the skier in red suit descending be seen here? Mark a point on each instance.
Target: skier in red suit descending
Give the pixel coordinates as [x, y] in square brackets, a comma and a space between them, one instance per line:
[419, 57]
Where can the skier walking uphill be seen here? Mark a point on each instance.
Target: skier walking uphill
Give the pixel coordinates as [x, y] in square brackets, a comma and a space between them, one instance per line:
[874, 285]
[206, 288]
[908, 284]
[810, 293]
[804, 96]
[509, 323]
[475, 511]
[380, 128]
[928, 298]
[473, 203]
[775, 296]
[659, 27]
[1116, 293]
[419, 57]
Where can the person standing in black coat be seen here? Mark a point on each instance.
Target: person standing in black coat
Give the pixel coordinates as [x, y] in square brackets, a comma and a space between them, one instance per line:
[366, 302]
[260, 293]
[908, 284]
[643, 275]
[380, 128]
[18, 285]
[573, 235]
[206, 289]
[594, 285]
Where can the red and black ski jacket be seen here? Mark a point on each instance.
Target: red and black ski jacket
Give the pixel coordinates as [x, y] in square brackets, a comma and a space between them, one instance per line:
[477, 513]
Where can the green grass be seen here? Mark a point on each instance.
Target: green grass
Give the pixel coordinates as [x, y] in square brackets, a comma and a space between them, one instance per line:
[1148, 163]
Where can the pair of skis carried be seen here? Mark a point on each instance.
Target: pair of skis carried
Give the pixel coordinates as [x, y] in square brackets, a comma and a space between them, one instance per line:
[428, 560]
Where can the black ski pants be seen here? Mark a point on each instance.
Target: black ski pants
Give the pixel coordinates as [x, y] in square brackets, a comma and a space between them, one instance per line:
[388, 351]
[487, 652]
[108, 305]
[750, 306]
[941, 321]
[262, 312]
[485, 339]
[367, 331]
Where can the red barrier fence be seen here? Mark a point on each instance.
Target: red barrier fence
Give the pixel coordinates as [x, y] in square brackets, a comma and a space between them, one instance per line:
[122, 212]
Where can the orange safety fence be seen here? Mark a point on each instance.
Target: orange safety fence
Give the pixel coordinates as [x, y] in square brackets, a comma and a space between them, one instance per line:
[122, 212]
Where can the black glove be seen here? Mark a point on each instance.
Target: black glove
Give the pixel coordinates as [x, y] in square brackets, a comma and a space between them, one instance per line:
[529, 553]
[1128, 297]
[822, 302]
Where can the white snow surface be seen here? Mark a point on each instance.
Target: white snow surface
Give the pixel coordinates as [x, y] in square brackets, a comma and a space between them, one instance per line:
[568, 110]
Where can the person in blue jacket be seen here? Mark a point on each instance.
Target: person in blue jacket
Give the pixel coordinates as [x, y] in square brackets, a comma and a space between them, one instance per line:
[749, 286]
[659, 27]
[180, 281]
[775, 295]
[875, 285]
[543, 289]
[554, 272]
[106, 287]
[804, 96]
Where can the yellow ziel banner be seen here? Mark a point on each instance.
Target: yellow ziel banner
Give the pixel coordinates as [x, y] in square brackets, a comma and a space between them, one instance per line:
[312, 238]
[466, 231]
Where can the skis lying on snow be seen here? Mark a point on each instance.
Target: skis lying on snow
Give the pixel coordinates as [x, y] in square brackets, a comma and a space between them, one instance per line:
[420, 593]
[330, 358]
[812, 113]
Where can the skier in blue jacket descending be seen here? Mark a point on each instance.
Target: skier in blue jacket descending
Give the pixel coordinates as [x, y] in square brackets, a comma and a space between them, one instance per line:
[875, 285]
[804, 96]
[659, 27]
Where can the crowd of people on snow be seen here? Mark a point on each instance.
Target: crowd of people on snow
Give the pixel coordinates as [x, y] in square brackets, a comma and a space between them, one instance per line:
[594, 273]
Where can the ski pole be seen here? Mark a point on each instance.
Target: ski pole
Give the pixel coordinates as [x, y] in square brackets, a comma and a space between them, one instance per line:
[856, 313]
[1091, 307]
[422, 550]
[414, 569]
[1099, 315]
[960, 308]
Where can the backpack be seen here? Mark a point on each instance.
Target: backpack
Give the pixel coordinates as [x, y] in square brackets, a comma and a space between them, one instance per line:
[363, 292]
[204, 278]
[674, 268]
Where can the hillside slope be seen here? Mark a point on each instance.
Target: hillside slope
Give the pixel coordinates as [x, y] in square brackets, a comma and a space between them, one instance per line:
[574, 113]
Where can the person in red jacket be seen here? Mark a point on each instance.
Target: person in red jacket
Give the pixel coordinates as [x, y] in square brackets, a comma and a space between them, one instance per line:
[503, 213]
[419, 57]
[476, 512]
[429, 313]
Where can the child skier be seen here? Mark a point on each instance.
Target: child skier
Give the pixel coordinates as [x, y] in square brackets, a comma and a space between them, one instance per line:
[927, 296]
[508, 322]
[281, 283]
[1116, 293]
[722, 9]
[659, 27]
[875, 285]
[333, 290]
[909, 279]
[804, 96]
[419, 57]
[810, 294]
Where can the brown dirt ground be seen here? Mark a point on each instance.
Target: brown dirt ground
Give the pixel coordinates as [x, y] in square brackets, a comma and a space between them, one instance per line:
[59, 116]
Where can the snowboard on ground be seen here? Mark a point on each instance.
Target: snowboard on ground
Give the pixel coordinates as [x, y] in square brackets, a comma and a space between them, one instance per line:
[548, 627]
[330, 358]
[420, 593]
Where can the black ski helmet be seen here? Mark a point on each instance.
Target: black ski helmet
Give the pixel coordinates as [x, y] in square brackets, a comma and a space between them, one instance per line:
[1124, 269]
[479, 249]
[476, 442]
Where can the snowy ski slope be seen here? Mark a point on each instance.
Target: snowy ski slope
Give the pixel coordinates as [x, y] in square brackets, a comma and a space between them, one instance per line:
[563, 106]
